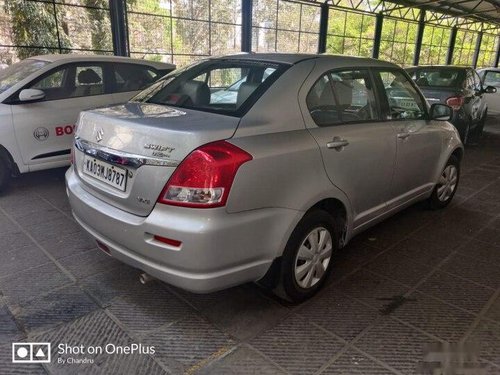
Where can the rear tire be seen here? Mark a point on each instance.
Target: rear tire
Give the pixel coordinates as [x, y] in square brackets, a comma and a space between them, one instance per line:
[307, 259]
[445, 189]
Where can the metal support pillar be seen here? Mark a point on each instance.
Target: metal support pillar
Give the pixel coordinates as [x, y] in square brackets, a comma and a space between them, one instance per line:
[323, 27]
[451, 46]
[378, 35]
[246, 25]
[119, 31]
[497, 60]
[478, 49]
[420, 37]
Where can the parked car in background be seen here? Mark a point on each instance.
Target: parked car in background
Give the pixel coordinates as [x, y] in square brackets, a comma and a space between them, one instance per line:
[41, 97]
[267, 184]
[491, 77]
[461, 89]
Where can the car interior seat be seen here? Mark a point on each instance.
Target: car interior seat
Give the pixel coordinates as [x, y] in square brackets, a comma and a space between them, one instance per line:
[89, 83]
[246, 89]
[198, 92]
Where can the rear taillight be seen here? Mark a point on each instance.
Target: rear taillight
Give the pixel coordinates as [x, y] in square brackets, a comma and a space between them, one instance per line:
[205, 176]
[455, 102]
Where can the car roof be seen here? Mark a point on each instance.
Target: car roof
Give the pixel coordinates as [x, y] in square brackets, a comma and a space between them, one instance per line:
[439, 67]
[73, 57]
[489, 69]
[294, 58]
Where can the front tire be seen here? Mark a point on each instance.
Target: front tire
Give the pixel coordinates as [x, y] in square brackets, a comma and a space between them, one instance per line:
[307, 259]
[445, 189]
[5, 174]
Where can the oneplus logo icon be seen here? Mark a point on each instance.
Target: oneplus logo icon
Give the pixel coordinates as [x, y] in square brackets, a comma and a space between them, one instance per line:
[31, 352]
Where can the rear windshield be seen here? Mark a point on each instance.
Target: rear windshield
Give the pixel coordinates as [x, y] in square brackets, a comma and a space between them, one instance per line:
[226, 87]
[438, 77]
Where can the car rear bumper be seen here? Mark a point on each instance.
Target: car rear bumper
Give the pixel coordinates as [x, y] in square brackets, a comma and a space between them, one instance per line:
[218, 250]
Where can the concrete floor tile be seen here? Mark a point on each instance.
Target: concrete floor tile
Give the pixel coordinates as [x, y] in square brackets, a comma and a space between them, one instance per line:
[339, 314]
[399, 346]
[354, 363]
[457, 291]
[242, 361]
[246, 314]
[297, 346]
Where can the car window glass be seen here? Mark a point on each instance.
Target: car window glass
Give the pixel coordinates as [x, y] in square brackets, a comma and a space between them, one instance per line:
[88, 81]
[342, 97]
[131, 77]
[437, 77]
[54, 84]
[17, 72]
[53, 80]
[205, 86]
[470, 81]
[492, 79]
[404, 100]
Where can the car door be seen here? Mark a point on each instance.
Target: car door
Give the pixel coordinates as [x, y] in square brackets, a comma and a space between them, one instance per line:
[358, 149]
[418, 141]
[44, 129]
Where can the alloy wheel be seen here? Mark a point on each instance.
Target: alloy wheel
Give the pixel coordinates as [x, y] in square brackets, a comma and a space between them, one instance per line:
[313, 257]
[447, 183]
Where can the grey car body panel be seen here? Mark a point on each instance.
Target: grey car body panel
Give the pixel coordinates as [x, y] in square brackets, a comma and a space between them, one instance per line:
[129, 128]
[291, 171]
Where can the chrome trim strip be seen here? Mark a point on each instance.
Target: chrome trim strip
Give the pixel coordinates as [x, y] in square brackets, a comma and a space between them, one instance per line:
[120, 158]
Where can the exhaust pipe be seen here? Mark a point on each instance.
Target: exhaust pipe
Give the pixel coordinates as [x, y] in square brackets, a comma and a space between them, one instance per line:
[144, 278]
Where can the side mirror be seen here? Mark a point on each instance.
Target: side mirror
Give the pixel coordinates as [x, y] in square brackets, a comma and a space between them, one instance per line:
[440, 112]
[31, 95]
[490, 90]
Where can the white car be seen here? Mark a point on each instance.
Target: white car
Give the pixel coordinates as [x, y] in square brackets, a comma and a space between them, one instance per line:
[491, 77]
[41, 98]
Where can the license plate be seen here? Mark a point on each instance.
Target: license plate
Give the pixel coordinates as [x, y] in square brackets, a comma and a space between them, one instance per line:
[109, 174]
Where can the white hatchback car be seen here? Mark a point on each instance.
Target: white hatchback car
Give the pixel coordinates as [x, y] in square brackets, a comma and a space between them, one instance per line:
[491, 77]
[41, 97]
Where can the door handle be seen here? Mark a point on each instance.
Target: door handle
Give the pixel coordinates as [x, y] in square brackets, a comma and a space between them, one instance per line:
[337, 143]
[403, 135]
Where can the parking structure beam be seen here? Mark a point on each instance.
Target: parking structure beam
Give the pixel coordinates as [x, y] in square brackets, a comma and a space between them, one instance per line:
[323, 27]
[420, 37]
[451, 45]
[478, 49]
[119, 28]
[379, 22]
[246, 25]
[497, 60]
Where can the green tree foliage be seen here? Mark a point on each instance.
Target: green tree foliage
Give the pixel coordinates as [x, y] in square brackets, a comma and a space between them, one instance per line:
[100, 24]
[34, 24]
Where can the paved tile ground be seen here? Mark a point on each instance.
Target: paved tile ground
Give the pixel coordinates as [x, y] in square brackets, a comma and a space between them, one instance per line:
[403, 296]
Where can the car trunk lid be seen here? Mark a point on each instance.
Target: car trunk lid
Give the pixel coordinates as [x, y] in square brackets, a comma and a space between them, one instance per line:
[127, 153]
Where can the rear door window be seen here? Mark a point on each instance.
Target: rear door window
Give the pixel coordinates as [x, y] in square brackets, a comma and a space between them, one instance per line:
[342, 97]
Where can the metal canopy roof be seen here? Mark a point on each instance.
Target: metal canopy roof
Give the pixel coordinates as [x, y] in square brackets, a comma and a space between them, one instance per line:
[477, 10]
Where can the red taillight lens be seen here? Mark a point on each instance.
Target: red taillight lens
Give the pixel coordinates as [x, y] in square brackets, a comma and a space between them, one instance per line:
[168, 241]
[205, 177]
[455, 102]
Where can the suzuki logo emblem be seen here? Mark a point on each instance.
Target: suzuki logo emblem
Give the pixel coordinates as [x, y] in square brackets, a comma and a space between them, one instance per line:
[99, 135]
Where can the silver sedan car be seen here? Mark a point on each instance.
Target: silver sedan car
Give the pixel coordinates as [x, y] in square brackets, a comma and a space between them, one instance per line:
[268, 184]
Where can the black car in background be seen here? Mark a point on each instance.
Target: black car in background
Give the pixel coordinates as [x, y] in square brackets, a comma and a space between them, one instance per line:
[461, 89]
